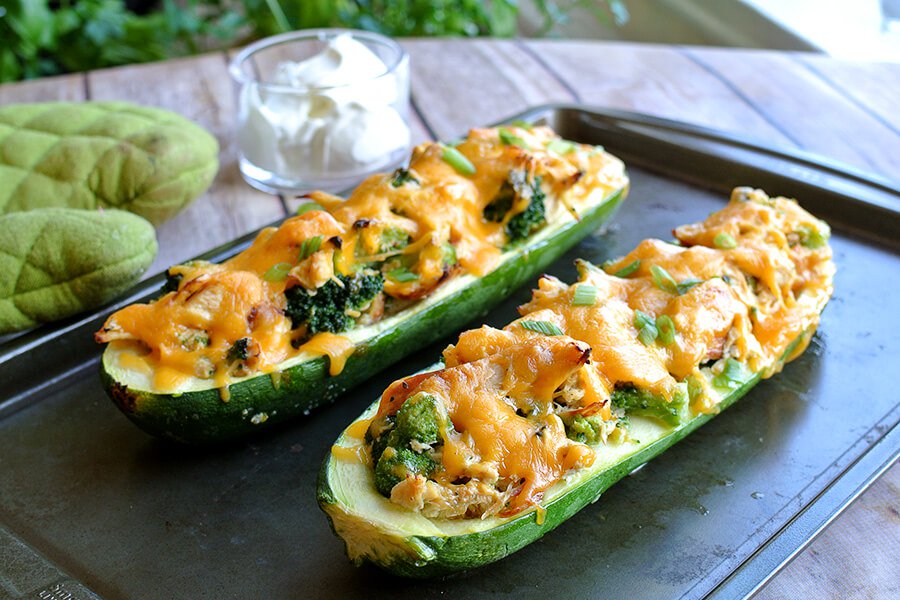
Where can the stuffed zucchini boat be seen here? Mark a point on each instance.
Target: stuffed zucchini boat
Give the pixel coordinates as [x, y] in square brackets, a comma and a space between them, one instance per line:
[347, 287]
[520, 428]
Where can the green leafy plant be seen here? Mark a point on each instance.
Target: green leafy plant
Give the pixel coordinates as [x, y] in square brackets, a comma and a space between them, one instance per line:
[49, 37]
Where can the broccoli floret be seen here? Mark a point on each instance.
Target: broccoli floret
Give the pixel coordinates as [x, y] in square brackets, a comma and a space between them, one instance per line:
[500, 205]
[239, 350]
[401, 449]
[522, 224]
[326, 309]
[173, 281]
[393, 238]
[402, 176]
[530, 219]
[644, 403]
[396, 465]
[583, 429]
[378, 434]
[417, 420]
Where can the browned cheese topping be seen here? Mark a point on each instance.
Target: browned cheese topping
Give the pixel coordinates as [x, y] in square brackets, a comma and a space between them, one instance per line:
[522, 407]
[395, 240]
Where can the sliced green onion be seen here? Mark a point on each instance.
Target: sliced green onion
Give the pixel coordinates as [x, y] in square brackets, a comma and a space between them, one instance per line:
[811, 238]
[309, 247]
[695, 388]
[687, 284]
[545, 327]
[663, 280]
[666, 327]
[522, 124]
[562, 146]
[308, 206]
[278, 272]
[458, 161]
[511, 139]
[628, 269]
[646, 326]
[667, 283]
[724, 241]
[402, 275]
[732, 376]
[585, 295]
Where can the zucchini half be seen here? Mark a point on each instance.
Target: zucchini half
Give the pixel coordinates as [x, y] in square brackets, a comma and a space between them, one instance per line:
[200, 415]
[406, 543]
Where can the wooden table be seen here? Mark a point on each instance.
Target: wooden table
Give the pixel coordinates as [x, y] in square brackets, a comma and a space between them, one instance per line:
[845, 111]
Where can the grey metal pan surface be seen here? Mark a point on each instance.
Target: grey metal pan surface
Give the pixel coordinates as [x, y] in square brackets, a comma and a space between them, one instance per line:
[91, 505]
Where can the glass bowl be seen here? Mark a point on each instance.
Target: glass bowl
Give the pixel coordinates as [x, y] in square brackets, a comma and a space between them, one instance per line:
[320, 109]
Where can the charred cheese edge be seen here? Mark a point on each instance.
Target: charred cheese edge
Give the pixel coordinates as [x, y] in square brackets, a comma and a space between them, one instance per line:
[379, 530]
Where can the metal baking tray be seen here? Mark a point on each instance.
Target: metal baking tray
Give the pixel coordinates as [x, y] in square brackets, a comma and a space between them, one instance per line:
[91, 505]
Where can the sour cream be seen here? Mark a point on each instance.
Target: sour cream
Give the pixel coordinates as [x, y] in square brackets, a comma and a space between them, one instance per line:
[335, 114]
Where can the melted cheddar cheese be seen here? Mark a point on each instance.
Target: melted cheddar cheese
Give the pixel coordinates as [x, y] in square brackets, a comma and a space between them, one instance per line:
[740, 286]
[412, 230]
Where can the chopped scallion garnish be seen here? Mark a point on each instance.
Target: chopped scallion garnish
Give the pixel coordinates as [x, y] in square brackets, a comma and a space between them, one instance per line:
[545, 327]
[511, 139]
[687, 284]
[278, 272]
[732, 376]
[308, 206]
[585, 295]
[402, 275]
[562, 146]
[811, 238]
[458, 161]
[667, 283]
[724, 241]
[666, 327]
[663, 280]
[646, 326]
[522, 124]
[628, 269]
[309, 247]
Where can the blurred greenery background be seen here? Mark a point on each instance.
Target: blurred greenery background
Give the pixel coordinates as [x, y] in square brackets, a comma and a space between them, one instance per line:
[49, 37]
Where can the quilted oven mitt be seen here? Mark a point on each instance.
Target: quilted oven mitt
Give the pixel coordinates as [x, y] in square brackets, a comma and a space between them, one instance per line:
[56, 262]
[102, 155]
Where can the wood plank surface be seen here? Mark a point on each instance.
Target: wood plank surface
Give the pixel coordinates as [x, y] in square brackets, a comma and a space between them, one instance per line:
[857, 556]
[874, 87]
[657, 80]
[198, 88]
[457, 86]
[48, 89]
[811, 112]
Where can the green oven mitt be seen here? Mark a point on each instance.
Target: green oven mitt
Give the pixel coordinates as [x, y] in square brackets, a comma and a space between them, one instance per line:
[56, 262]
[102, 155]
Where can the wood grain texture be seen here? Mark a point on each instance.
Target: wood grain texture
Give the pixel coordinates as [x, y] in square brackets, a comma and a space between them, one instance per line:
[198, 88]
[857, 556]
[874, 87]
[657, 80]
[461, 85]
[49, 89]
[813, 113]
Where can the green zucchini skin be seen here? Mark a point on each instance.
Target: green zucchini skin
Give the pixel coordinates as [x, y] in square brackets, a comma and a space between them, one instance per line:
[202, 417]
[434, 556]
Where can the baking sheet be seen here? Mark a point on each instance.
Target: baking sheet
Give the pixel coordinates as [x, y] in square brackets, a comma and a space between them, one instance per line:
[90, 504]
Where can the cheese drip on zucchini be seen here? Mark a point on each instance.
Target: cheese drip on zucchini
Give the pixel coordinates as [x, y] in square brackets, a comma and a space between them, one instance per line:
[651, 333]
[347, 263]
